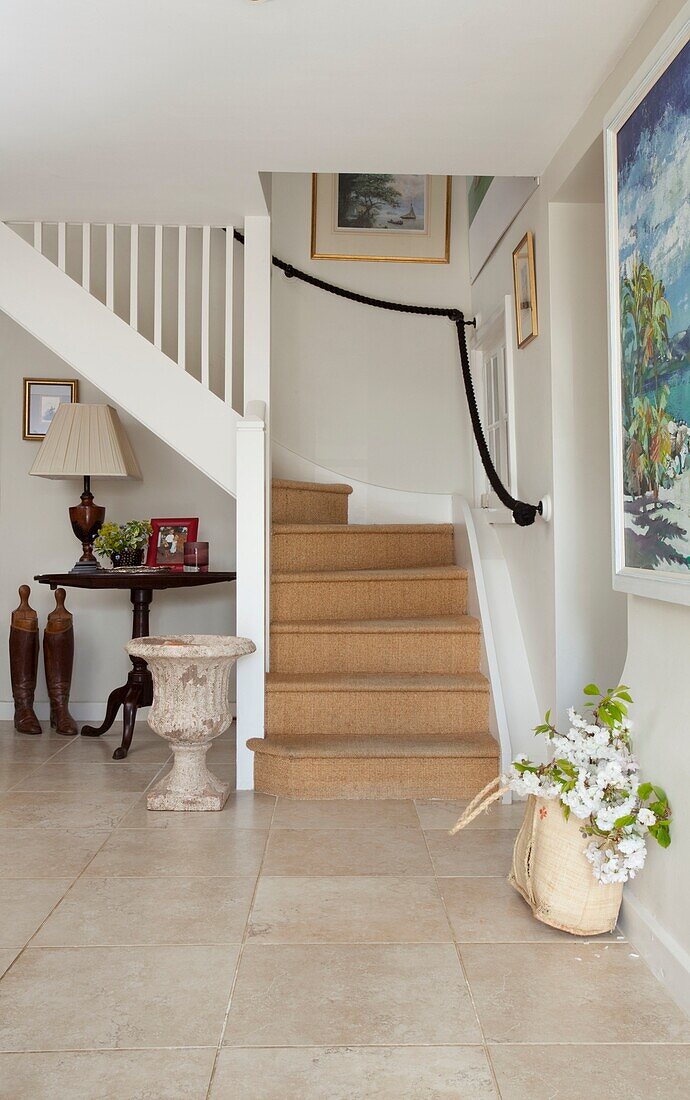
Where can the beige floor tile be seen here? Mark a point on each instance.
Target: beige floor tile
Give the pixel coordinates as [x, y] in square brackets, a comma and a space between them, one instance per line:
[489, 910]
[76, 775]
[365, 909]
[632, 1072]
[7, 957]
[24, 905]
[486, 852]
[569, 993]
[316, 995]
[197, 853]
[243, 810]
[94, 997]
[362, 1073]
[61, 810]
[441, 813]
[108, 1075]
[13, 773]
[38, 853]
[99, 750]
[381, 851]
[111, 911]
[344, 814]
[21, 748]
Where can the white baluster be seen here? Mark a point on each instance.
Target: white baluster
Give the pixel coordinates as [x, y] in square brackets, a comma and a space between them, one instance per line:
[181, 293]
[61, 245]
[38, 236]
[86, 256]
[110, 265]
[134, 276]
[158, 286]
[229, 295]
[205, 285]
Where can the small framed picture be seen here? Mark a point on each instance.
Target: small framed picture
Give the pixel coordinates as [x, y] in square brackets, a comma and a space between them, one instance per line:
[393, 218]
[166, 545]
[42, 396]
[525, 288]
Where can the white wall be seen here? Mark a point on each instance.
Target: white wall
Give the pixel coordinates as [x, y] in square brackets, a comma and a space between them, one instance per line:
[562, 574]
[37, 538]
[373, 395]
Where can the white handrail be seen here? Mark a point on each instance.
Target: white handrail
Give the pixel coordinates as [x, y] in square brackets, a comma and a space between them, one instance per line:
[211, 267]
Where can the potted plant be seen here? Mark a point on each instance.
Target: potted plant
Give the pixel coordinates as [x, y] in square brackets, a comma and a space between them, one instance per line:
[123, 543]
[587, 819]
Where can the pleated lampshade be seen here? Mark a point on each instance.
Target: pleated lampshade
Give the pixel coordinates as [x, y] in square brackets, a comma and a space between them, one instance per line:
[83, 441]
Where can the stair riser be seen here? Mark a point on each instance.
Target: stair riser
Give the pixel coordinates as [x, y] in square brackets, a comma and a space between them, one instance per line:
[380, 599]
[372, 713]
[358, 549]
[373, 778]
[302, 506]
[446, 654]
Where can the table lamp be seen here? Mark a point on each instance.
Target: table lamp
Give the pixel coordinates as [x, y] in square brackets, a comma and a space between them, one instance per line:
[86, 441]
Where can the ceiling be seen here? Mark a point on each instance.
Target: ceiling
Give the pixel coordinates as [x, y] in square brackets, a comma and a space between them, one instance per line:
[159, 110]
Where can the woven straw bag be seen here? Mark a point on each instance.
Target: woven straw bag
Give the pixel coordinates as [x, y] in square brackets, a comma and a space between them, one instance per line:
[550, 868]
[555, 877]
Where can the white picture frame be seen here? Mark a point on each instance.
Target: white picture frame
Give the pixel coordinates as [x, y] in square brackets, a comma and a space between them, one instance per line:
[662, 583]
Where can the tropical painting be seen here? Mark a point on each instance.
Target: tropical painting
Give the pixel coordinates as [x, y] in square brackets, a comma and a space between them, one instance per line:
[395, 203]
[652, 175]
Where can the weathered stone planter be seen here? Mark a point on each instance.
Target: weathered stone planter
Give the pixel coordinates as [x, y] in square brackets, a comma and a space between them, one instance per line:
[191, 706]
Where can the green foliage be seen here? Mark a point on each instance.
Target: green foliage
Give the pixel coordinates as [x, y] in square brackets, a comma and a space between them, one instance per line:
[113, 538]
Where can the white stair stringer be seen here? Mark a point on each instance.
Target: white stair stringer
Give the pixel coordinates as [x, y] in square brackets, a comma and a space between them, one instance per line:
[124, 365]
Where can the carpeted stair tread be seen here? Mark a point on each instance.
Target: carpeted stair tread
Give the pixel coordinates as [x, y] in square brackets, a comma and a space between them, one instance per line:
[363, 528]
[443, 624]
[349, 682]
[479, 746]
[311, 486]
[345, 576]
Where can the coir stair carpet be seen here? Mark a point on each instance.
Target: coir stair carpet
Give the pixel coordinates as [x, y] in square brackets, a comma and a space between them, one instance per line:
[374, 689]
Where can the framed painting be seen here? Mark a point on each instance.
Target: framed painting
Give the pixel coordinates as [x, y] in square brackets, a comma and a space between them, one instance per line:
[166, 545]
[42, 396]
[647, 201]
[525, 290]
[394, 218]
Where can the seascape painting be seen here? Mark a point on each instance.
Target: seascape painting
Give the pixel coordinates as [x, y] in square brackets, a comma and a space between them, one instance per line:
[651, 148]
[394, 203]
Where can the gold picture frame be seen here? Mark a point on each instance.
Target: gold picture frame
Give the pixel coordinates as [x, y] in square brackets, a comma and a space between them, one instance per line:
[41, 398]
[416, 231]
[525, 290]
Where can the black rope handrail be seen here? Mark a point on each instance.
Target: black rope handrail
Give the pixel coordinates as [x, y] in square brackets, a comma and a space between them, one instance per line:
[524, 514]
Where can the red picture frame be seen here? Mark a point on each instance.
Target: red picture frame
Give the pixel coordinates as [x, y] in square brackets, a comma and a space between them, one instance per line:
[166, 545]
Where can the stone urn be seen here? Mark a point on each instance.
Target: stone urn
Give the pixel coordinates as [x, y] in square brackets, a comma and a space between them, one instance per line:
[191, 706]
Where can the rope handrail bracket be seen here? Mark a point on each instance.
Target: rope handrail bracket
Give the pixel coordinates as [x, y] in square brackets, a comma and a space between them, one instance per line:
[523, 513]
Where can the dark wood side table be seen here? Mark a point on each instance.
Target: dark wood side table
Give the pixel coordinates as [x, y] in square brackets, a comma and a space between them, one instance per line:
[138, 689]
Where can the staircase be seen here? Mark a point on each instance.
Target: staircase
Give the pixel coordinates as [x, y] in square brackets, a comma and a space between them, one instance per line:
[374, 689]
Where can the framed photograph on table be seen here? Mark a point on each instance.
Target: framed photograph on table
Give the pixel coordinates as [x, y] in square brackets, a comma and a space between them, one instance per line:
[647, 203]
[42, 397]
[166, 545]
[380, 217]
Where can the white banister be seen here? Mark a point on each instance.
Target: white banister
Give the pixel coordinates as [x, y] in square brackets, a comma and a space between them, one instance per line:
[205, 293]
[110, 265]
[205, 302]
[250, 588]
[158, 286]
[181, 294]
[229, 297]
[86, 256]
[134, 276]
[61, 245]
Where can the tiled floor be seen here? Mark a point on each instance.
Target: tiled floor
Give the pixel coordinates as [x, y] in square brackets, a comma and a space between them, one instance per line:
[320, 950]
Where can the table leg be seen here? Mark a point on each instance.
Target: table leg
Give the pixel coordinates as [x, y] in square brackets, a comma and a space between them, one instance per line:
[138, 690]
